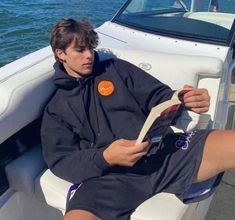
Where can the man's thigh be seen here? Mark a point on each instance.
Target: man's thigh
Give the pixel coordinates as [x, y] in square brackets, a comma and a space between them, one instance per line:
[218, 155]
[113, 196]
[182, 155]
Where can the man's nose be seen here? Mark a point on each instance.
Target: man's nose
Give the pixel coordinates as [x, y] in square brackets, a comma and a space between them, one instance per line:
[89, 53]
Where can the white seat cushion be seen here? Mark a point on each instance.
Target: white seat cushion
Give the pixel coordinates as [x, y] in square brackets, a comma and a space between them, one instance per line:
[54, 189]
[55, 192]
[161, 206]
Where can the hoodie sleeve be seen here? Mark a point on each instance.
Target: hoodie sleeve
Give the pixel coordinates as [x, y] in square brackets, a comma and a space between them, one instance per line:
[66, 155]
[146, 89]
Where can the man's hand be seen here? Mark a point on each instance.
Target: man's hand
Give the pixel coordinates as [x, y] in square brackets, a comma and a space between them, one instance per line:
[197, 100]
[124, 152]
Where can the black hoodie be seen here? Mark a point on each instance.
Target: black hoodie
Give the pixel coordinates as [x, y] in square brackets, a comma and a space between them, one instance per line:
[79, 123]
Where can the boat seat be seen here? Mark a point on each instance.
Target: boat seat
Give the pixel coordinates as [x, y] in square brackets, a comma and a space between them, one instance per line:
[28, 90]
[175, 70]
[55, 191]
[50, 189]
[24, 90]
[29, 175]
[221, 19]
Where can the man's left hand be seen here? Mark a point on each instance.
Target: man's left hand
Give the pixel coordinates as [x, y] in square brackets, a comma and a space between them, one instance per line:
[197, 100]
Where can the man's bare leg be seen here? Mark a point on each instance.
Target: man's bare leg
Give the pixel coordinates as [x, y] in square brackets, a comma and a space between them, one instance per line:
[218, 154]
[80, 215]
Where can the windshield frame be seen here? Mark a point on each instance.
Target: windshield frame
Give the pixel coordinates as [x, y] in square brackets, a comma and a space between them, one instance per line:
[179, 35]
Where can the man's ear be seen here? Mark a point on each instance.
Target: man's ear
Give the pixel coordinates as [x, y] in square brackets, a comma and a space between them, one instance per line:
[60, 54]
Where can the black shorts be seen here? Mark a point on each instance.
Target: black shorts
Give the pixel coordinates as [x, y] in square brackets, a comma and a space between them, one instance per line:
[169, 167]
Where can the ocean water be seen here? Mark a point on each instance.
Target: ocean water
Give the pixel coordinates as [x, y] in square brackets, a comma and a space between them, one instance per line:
[25, 25]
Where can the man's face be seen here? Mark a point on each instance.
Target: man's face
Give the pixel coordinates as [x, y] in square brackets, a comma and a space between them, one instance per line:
[78, 61]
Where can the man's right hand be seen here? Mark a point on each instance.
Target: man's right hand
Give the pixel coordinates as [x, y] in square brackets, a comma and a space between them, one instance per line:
[124, 152]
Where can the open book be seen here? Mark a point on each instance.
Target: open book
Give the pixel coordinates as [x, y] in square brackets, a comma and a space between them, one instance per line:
[162, 114]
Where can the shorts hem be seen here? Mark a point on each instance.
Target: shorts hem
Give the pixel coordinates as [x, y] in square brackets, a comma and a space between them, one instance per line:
[197, 166]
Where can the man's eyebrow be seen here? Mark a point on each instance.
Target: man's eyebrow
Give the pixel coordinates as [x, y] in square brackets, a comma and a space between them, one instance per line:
[79, 47]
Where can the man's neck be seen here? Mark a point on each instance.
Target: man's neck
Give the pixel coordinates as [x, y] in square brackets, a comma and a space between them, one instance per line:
[71, 73]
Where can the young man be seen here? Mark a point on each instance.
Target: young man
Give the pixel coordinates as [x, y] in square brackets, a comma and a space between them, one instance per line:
[214, 5]
[91, 124]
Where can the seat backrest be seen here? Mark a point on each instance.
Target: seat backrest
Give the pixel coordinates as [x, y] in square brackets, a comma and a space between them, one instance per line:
[173, 69]
[26, 85]
[24, 91]
[176, 70]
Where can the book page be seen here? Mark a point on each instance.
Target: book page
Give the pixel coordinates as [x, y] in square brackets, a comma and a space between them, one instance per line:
[163, 108]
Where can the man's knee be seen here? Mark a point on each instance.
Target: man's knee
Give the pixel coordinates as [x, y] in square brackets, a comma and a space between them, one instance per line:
[218, 154]
[80, 215]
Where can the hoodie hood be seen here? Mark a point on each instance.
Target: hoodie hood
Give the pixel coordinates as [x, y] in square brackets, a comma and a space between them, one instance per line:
[64, 81]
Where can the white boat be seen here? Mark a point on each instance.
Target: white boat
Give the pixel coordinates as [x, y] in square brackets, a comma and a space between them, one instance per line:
[179, 42]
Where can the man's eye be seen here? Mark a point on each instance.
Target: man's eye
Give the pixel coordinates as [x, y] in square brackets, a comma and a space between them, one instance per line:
[79, 50]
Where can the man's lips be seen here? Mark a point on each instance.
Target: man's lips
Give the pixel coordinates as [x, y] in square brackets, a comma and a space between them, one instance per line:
[88, 65]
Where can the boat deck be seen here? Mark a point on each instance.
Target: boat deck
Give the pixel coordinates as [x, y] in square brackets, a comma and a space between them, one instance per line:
[223, 203]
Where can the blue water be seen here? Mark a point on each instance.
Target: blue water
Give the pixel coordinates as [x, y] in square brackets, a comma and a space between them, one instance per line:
[25, 24]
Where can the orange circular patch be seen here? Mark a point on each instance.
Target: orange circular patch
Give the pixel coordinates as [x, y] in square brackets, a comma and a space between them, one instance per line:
[105, 88]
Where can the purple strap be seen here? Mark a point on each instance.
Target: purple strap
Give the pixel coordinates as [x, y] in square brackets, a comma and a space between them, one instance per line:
[71, 191]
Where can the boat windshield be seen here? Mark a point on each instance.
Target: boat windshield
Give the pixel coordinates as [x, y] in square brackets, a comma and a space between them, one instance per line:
[209, 21]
